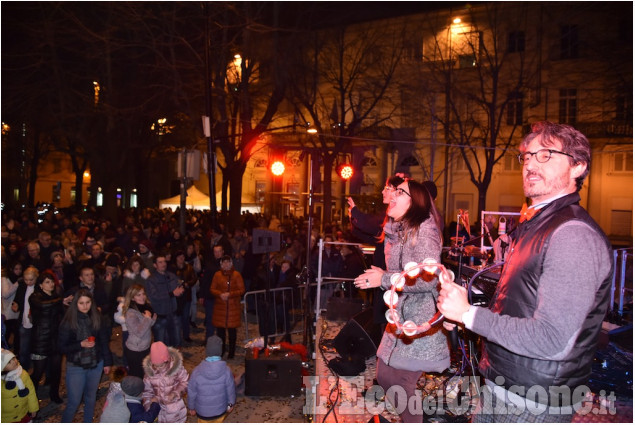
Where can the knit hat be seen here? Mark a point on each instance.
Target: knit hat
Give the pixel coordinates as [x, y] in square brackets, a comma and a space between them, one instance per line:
[214, 346]
[146, 243]
[132, 386]
[6, 357]
[159, 353]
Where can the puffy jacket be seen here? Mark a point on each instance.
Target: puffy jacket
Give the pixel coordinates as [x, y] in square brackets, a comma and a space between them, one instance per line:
[46, 314]
[211, 388]
[227, 313]
[16, 406]
[166, 387]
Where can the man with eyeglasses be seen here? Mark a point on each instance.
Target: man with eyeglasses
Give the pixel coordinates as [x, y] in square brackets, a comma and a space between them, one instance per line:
[541, 330]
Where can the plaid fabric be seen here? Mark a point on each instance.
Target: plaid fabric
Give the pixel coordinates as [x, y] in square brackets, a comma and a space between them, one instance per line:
[492, 409]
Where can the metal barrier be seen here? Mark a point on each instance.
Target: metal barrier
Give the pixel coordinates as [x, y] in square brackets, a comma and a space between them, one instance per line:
[622, 275]
[283, 312]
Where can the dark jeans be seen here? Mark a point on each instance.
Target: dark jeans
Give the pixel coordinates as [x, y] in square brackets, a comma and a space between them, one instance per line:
[387, 376]
[24, 355]
[52, 366]
[167, 330]
[81, 384]
[135, 361]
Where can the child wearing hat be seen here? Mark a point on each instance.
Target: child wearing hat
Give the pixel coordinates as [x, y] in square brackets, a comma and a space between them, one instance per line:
[211, 392]
[132, 387]
[166, 379]
[19, 401]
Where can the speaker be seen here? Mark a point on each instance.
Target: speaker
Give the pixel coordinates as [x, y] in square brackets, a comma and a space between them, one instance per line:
[275, 375]
[264, 241]
[359, 337]
[343, 309]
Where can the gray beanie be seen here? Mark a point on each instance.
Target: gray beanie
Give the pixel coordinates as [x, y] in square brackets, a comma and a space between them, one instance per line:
[214, 346]
[132, 386]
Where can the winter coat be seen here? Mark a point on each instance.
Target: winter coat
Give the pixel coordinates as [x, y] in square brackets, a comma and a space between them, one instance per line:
[227, 313]
[139, 330]
[130, 278]
[138, 413]
[16, 406]
[417, 302]
[211, 388]
[46, 314]
[160, 288]
[69, 343]
[167, 387]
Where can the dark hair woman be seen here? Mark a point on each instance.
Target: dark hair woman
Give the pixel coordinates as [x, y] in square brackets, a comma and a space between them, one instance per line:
[83, 339]
[412, 233]
[46, 313]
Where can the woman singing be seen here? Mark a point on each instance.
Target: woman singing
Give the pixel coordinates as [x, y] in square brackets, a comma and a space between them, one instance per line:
[411, 234]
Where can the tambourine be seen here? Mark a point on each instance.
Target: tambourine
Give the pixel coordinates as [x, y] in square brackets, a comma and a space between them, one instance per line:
[414, 270]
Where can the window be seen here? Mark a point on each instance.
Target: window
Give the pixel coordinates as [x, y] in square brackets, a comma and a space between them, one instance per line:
[467, 61]
[460, 163]
[413, 48]
[369, 162]
[510, 163]
[409, 161]
[569, 42]
[516, 42]
[568, 106]
[261, 186]
[621, 222]
[624, 107]
[622, 162]
[515, 109]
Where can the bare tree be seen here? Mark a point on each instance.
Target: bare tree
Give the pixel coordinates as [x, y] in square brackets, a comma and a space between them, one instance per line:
[341, 86]
[482, 84]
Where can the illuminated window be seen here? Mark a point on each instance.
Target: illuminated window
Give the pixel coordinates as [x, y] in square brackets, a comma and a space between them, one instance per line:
[568, 106]
[622, 162]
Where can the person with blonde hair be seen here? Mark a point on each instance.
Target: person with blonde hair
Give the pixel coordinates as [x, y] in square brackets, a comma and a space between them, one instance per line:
[139, 318]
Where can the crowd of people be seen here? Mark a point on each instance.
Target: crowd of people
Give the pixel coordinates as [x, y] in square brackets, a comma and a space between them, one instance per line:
[67, 279]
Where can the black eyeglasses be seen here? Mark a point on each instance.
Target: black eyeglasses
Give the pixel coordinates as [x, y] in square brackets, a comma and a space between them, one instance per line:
[542, 156]
[400, 192]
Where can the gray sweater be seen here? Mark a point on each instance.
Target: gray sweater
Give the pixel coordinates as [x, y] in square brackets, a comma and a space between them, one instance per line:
[139, 330]
[423, 352]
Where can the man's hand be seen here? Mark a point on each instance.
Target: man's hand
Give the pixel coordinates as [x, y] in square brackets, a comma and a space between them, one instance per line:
[192, 412]
[106, 370]
[178, 291]
[453, 301]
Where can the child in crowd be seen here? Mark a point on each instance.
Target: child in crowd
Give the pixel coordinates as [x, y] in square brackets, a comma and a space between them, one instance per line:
[19, 401]
[132, 387]
[211, 392]
[166, 379]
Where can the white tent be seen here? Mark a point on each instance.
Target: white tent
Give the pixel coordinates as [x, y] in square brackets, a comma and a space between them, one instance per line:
[197, 200]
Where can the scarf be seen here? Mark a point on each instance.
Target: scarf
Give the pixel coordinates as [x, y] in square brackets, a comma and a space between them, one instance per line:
[142, 308]
[86, 357]
[14, 376]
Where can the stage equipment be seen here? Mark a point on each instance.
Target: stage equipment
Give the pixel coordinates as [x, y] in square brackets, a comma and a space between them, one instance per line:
[279, 374]
[359, 337]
